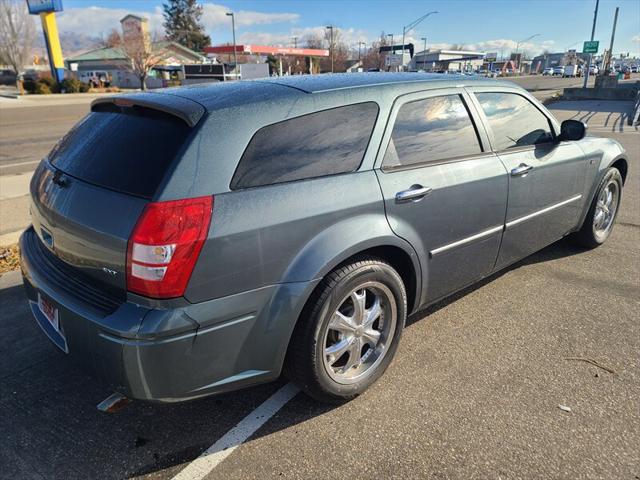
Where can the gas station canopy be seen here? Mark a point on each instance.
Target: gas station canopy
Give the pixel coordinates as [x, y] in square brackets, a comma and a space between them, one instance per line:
[267, 50]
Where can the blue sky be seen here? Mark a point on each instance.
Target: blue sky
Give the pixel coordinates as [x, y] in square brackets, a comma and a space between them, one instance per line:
[488, 25]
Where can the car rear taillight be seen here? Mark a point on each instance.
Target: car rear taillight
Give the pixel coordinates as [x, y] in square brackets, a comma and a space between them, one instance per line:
[165, 245]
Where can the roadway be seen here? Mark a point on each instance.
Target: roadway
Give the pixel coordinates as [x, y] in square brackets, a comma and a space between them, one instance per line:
[474, 392]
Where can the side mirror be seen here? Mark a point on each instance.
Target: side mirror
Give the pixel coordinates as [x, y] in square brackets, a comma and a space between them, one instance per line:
[572, 130]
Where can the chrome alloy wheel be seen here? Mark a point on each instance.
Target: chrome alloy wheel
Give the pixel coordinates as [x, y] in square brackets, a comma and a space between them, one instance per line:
[359, 333]
[606, 207]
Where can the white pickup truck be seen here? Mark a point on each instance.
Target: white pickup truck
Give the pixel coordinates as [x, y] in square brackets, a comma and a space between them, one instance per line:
[572, 71]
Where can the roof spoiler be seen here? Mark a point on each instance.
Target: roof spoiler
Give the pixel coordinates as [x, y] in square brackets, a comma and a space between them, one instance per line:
[186, 110]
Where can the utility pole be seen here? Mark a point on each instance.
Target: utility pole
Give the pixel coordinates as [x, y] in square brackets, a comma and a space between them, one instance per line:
[613, 36]
[593, 32]
[295, 42]
[518, 47]
[235, 54]
[424, 54]
[330, 27]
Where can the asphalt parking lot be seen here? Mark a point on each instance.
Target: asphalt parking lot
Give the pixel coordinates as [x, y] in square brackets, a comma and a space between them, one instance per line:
[474, 391]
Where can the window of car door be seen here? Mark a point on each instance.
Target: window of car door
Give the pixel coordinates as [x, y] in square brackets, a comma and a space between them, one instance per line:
[514, 121]
[430, 131]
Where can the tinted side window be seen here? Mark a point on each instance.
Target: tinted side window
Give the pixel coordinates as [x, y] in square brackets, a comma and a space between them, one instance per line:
[514, 120]
[431, 130]
[321, 143]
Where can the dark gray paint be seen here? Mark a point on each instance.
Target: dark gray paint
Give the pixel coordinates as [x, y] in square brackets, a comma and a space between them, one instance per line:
[269, 247]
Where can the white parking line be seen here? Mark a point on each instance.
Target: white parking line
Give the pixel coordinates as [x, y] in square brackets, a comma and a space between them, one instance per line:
[216, 453]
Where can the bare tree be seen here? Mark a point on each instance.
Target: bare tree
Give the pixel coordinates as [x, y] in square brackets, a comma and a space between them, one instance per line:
[17, 34]
[316, 42]
[372, 58]
[340, 49]
[113, 40]
[142, 57]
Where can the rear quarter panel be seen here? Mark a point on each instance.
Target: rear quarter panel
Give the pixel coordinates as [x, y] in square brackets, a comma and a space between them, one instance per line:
[291, 232]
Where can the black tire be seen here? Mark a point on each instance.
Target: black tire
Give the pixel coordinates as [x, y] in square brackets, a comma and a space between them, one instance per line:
[588, 236]
[305, 362]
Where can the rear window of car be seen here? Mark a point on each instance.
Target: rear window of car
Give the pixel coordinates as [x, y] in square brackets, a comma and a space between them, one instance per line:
[126, 149]
[314, 145]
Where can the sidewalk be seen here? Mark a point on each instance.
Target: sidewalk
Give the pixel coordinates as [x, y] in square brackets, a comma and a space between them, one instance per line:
[13, 186]
[52, 99]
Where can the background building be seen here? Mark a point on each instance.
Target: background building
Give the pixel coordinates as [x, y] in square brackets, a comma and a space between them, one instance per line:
[447, 61]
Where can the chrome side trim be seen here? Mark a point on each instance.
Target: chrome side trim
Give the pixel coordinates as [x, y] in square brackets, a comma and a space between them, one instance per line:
[518, 221]
[464, 241]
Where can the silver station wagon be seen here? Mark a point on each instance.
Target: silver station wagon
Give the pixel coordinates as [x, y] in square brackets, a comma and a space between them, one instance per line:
[199, 240]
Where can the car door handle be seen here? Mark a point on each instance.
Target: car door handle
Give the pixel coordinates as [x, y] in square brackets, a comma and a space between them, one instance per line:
[521, 169]
[414, 194]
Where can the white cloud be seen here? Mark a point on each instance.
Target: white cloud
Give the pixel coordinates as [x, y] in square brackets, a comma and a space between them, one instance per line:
[214, 16]
[95, 21]
[635, 38]
[500, 46]
[349, 36]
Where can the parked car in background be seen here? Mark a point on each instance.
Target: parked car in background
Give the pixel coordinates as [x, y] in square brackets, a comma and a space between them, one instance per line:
[7, 77]
[95, 78]
[558, 71]
[547, 71]
[32, 75]
[594, 70]
[199, 240]
[634, 69]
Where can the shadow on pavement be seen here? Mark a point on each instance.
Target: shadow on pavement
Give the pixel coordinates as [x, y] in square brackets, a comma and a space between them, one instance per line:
[601, 114]
[560, 249]
[51, 427]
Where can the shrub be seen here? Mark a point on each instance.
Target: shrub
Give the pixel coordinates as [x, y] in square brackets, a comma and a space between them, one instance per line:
[42, 88]
[72, 85]
[48, 81]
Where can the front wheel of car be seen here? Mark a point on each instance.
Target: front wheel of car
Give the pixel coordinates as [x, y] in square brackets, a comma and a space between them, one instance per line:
[349, 331]
[601, 217]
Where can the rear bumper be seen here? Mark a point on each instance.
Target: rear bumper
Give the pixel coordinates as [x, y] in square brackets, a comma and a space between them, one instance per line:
[171, 354]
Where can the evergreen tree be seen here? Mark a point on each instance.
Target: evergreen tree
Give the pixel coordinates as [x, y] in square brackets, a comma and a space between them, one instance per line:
[182, 24]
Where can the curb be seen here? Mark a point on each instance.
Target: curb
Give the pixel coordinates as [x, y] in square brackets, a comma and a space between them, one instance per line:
[10, 238]
[10, 279]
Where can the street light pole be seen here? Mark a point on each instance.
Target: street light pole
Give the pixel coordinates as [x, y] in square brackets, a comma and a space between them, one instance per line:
[411, 26]
[390, 35]
[424, 53]
[235, 53]
[518, 47]
[593, 32]
[330, 27]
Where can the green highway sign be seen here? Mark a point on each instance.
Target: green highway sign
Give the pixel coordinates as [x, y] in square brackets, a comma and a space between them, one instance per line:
[590, 47]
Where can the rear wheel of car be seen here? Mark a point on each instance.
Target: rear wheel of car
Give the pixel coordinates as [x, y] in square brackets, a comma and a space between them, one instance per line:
[349, 331]
[601, 217]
